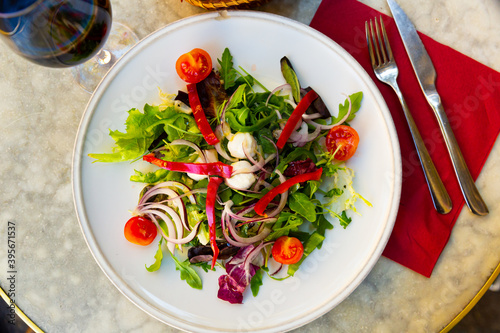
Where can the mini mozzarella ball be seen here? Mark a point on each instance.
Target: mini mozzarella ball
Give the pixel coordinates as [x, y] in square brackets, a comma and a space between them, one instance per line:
[211, 157]
[235, 145]
[241, 181]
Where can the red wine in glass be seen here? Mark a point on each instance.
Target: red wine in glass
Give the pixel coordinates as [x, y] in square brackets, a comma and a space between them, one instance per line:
[55, 33]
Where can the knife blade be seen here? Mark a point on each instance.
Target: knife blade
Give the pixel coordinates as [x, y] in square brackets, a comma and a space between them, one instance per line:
[426, 75]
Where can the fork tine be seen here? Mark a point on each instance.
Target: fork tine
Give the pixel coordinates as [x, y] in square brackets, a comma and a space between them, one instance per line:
[370, 44]
[375, 45]
[379, 39]
[386, 40]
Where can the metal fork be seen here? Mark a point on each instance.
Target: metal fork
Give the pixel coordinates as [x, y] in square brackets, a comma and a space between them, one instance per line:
[386, 70]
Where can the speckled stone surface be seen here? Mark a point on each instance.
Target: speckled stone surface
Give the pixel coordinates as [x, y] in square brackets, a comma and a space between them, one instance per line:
[60, 286]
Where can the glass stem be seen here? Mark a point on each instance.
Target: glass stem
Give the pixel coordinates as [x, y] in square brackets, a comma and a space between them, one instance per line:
[103, 57]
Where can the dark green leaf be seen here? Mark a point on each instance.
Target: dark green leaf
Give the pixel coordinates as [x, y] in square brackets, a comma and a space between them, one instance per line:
[188, 273]
[314, 240]
[256, 282]
[301, 204]
[227, 72]
[344, 220]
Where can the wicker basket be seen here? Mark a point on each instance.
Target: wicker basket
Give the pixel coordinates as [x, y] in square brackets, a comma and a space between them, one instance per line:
[223, 4]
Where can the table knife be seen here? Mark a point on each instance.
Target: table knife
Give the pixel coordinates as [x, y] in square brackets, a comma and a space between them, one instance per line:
[426, 75]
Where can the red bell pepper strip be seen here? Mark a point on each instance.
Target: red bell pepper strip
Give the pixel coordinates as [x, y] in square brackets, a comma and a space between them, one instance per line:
[213, 185]
[295, 117]
[261, 205]
[199, 115]
[208, 169]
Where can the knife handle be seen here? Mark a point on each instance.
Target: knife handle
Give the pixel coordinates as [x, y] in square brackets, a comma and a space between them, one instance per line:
[440, 198]
[469, 190]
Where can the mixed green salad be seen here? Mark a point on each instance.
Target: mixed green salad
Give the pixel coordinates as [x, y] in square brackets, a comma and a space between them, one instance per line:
[246, 176]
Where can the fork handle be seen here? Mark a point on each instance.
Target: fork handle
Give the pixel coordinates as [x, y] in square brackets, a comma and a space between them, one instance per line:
[440, 197]
[469, 190]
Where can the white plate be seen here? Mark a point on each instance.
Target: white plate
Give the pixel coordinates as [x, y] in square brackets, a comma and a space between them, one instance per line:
[104, 195]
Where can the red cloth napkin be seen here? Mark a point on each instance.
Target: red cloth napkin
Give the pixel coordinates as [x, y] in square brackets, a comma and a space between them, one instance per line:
[470, 93]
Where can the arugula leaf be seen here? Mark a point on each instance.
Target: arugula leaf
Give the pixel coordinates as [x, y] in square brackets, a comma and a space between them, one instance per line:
[322, 224]
[287, 222]
[188, 273]
[356, 99]
[344, 220]
[236, 98]
[158, 258]
[301, 204]
[263, 136]
[343, 108]
[227, 71]
[256, 282]
[314, 240]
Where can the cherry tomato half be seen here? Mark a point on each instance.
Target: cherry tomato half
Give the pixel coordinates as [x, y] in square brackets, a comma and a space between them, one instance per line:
[287, 250]
[194, 66]
[343, 141]
[140, 230]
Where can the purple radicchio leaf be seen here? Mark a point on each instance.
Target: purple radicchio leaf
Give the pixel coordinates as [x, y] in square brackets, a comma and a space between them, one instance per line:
[239, 271]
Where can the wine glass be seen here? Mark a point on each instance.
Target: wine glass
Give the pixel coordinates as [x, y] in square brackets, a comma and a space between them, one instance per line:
[66, 33]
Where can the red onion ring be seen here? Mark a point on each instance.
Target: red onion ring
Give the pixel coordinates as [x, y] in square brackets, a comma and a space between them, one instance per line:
[181, 142]
[341, 121]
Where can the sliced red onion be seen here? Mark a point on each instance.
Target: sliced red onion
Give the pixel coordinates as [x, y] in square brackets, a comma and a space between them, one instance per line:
[257, 165]
[223, 113]
[279, 116]
[220, 134]
[259, 181]
[188, 194]
[181, 142]
[275, 90]
[245, 210]
[311, 116]
[300, 134]
[187, 191]
[283, 198]
[275, 148]
[277, 271]
[225, 231]
[176, 200]
[244, 241]
[239, 216]
[254, 253]
[184, 240]
[307, 138]
[229, 231]
[179, 224]
[341, 121]
[258, 220]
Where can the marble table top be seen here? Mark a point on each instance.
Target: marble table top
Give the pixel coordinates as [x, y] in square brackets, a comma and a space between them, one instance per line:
[62, 289]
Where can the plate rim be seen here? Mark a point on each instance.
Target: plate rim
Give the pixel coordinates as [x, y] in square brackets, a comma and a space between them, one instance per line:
[96, 97]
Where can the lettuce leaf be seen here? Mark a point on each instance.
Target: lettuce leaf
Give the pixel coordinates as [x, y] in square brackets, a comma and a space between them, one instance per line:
[137, 138]
[158, 258]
